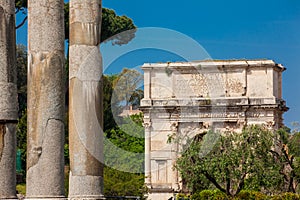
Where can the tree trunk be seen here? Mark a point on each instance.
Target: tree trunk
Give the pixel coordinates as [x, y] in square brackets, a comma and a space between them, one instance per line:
[45, 103]
[8, 101]
[85, 99]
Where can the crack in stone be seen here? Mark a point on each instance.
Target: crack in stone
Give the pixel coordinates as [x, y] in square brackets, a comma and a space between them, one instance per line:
[2, 134]
[38, 150]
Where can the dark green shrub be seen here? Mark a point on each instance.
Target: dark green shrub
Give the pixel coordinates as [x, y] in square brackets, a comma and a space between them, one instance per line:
[286, 196]
[204, 194]
[210, 195]
[181, 196]
[195, 196]
[218, 195]
[250, 195]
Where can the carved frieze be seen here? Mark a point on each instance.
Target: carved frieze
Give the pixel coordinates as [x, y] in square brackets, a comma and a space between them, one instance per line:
[233, 85]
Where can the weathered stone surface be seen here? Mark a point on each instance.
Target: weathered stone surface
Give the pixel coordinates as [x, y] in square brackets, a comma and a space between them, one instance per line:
[8, 80]
[7, 161]
[8, 101]
[45, 25]
[46, 92]
[85, 22]
[186, 99]
[86, 187]
[85, 110]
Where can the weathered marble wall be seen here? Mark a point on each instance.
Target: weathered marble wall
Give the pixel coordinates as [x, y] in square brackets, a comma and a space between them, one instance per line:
[186, 99]
[202, 79]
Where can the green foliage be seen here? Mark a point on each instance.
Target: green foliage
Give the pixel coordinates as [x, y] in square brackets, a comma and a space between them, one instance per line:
[116, 88]
[118, 183]
[204, 194]
[122, 143]
[66, 153]
[293, 144]
[66, 180]
[125, 87]
[20, 5]
[243, 195]
[251, 195]
[290, 158]
[109, 121]
[22, 138]
[66, 19]
[181, 196]
[254, 160]
[286, 196]
[234, 162]
[21, 188]
[21, 62]
[113, 24]
[129, 135]
[210, 195]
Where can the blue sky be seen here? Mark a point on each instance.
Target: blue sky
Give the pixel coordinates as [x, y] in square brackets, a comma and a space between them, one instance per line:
[225, 29]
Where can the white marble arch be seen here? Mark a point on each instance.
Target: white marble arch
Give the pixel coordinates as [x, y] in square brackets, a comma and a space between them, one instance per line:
[189, 98]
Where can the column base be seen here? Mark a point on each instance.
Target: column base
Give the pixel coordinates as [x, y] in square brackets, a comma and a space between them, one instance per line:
[101, 197]
[46, 198]
[160, 193]
[85, 187]
[160, 196]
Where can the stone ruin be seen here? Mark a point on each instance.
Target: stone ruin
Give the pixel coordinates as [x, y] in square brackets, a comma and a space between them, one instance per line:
[188, 98]
[184, 98]
[46, 101]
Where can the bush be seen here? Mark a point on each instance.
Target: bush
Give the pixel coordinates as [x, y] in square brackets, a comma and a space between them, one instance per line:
[181, 196]
[221, 195]
[243, 195]
[210, 195]
[21, 188]
[204, 194]
[286, 196]
[251, 195]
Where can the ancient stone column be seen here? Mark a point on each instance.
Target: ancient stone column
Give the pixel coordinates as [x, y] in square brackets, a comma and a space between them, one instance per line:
[85, 109]
[8, 101]
[147, 126]
[45, 104]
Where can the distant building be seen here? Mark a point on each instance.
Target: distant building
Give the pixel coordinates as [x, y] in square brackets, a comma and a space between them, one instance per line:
[128, 111]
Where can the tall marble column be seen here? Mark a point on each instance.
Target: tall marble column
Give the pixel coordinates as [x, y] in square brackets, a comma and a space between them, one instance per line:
[147, 126]
[8, 101]
[174, 155]
[85, 98]
[45, 103]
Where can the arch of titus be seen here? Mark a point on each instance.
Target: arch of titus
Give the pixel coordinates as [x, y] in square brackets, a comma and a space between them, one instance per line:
[187, 98]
